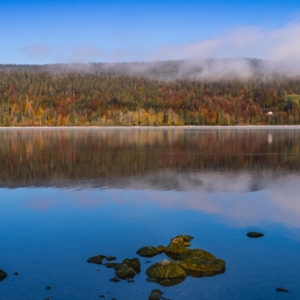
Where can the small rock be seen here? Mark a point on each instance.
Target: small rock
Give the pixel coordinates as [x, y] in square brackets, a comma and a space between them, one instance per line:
[132, 263]
[155, 295]
[101, 296]
[130, 280]
[2, 275]
[109, 258]
[48, 287]
[96, 259]
[115, 279]
[253, 234]
[16, 273]
[282, 290]
[147, 251]
[111, 265]
[160, 248]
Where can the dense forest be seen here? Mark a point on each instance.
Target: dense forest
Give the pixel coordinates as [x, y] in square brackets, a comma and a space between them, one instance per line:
[132, 94]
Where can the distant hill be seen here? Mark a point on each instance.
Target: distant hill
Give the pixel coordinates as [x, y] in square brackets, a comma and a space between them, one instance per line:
[179, 92]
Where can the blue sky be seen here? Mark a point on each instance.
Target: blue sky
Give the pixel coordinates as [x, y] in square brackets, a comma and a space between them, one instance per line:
[47, 31]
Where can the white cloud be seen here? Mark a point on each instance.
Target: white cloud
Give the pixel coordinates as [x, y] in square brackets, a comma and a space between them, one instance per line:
[281, 46]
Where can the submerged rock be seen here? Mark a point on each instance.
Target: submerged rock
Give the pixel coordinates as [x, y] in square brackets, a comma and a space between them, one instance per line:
[147, 251]
[253, 234]
[124, 272]
[282, 290]
[3, 275]
[96, 259]
[115, 279]
[155, 295]
[111, 265]
[166, 269]
[177, 246]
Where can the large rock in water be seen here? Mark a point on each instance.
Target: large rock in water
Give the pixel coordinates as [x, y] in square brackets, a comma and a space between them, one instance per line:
[2, 275]
[197, 260]
[147, 251]
[166, 269]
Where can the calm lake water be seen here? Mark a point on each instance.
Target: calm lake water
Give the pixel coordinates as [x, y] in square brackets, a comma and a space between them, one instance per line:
[69, 194]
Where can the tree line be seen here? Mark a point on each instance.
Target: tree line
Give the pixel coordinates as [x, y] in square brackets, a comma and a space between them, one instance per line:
[49, 96]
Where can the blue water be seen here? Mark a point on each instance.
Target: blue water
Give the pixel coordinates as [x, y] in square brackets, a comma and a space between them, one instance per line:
[48, 233]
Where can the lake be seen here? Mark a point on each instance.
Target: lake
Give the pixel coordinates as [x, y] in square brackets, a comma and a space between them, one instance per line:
[69, 194]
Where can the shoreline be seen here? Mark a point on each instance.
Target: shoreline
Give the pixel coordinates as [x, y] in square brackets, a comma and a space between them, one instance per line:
[219, 127]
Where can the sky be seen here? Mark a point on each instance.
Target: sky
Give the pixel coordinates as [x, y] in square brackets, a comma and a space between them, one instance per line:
[65, 31]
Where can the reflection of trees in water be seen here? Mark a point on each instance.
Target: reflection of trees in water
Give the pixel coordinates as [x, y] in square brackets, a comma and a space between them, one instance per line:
[43, 155]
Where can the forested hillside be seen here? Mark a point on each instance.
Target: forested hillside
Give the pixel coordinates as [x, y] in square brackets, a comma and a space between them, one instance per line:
[142, 94]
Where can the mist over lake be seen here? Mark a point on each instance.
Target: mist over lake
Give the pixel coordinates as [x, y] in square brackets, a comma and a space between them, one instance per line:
[69, 194]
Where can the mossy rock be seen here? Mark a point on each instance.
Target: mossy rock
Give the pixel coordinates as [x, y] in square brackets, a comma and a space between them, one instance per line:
[253, 234]
[160, 248]
[176, 246]
[203, 265]
[3, 275]
[109, 258]
[165, 269]
[155, 295]
[124, 272]
[199, 253]
[133, 263]
[96, 259]
[148, 251]
[186, 238]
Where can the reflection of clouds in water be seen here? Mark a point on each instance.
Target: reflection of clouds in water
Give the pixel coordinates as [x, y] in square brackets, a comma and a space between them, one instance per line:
[278, 203]
[39, 204]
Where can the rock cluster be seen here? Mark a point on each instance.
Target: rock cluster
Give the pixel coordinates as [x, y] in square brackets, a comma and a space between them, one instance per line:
[194, 262]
